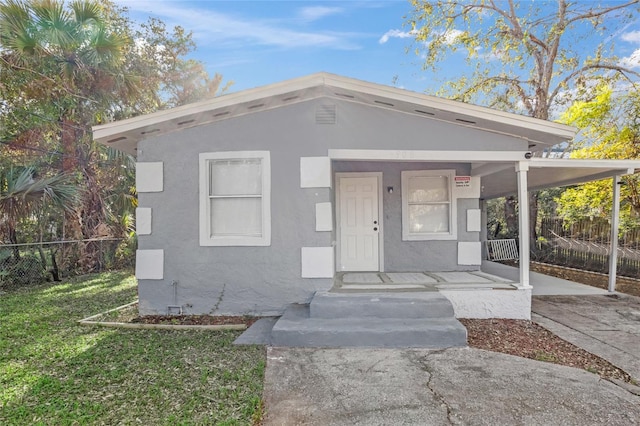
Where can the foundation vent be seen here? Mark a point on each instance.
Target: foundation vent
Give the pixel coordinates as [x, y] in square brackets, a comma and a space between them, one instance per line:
[326, 114]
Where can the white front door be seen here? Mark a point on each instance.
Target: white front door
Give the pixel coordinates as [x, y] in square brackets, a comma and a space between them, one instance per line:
[359, 223]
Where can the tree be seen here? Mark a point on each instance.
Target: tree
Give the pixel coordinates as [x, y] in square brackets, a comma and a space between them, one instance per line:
[70, 64]
[24, 194]
[67, 66]
[610, 127]
[523, 57]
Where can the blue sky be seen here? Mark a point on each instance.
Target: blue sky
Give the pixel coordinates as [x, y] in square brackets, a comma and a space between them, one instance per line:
[254, 43]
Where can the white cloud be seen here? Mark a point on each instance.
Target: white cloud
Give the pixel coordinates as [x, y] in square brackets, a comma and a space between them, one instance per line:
[632, 61]
[313, 13]
[450, 36]
[211, 27]
[396, 34]
[631, 37]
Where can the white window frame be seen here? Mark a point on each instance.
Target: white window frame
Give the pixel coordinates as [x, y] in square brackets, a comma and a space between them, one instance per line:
[453, 220]
[206, 239]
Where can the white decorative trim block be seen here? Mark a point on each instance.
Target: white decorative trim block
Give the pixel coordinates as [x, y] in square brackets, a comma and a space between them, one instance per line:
[149, 177]
[474, 220]
[470, 253]
[143, 221]
[315, 172]
[324, 217]
[150, 264]
[317, 262]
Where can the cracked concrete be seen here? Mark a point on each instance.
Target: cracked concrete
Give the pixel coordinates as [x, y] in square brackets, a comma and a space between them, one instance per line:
[457, 386]
[608, 326]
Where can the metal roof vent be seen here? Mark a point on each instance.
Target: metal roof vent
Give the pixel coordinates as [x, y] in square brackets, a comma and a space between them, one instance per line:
[326, 114]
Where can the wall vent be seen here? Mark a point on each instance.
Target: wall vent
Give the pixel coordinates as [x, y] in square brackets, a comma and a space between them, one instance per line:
[326, 114]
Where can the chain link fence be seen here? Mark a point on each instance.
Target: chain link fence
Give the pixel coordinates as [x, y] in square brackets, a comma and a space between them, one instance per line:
[26, 264]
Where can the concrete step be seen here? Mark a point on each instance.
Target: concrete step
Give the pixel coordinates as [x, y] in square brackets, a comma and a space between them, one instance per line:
[297, 328]
[380, 305]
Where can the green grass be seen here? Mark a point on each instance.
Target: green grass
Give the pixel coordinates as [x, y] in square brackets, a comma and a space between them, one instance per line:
[56, 372]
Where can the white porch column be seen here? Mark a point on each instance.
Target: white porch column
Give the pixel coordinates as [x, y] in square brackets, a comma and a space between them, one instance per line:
[522, 167]
[483, 227]
[615, 224]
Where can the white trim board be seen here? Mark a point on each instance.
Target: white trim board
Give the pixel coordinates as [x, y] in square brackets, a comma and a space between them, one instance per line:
[315, 172]
[324, 217]
[621, 166]
[150, 264]
[150, 176]
[143, 220]
[316, 262]
[425, 155]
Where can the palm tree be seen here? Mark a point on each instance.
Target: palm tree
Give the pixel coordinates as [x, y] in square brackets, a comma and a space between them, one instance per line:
[74, 61]
[23, 194]
[68, 60]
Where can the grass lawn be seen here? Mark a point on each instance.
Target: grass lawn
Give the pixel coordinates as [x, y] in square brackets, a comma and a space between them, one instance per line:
[54, 371]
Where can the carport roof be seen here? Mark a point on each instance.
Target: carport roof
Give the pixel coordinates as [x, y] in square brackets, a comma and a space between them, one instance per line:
[125, 134]
[499, 179]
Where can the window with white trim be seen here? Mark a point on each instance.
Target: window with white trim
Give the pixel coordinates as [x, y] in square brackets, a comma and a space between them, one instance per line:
[428, 205]
[235, 198]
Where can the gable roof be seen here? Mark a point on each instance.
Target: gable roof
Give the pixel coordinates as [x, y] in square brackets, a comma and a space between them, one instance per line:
[125, 134]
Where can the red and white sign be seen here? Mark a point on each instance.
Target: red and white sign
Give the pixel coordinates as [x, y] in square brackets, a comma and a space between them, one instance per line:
[462, 181]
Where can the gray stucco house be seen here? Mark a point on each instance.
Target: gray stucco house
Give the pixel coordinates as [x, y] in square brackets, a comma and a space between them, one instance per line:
[254, 200]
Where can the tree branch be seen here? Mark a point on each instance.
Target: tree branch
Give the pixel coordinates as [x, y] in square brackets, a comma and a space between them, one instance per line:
[44, 77]
[596, 14]
[512, 82]
[617, 68]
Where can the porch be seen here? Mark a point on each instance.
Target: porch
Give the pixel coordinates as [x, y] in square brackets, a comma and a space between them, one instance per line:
[405, 309]
[347, 282]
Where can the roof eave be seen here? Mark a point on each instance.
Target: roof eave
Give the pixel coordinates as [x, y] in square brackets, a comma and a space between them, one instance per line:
[125, 134]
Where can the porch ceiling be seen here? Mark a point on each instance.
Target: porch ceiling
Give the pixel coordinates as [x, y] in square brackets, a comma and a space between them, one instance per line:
[500, 179]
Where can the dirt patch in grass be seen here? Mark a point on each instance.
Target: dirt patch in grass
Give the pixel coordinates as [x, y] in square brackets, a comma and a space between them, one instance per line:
[529, 340]
[195, 320]
[129, 314]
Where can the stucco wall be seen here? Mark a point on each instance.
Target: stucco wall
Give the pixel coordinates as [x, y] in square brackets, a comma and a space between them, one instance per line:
[414, 256]
[262, 280]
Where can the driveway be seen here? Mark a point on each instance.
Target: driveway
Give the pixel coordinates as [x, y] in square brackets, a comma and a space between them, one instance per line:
[459, 386]
[466, 386]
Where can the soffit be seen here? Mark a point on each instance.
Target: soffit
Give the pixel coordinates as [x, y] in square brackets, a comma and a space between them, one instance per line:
[125, 134]
[554, 173]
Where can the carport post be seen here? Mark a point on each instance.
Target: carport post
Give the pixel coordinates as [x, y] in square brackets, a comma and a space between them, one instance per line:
[522, 167]
[615, 224]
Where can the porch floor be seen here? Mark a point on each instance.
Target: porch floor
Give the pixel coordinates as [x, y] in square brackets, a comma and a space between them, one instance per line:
[417, 281]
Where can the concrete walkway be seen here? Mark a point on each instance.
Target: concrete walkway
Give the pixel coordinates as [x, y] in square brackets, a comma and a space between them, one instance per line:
[543, 285]
[458, 386]
[607, 326]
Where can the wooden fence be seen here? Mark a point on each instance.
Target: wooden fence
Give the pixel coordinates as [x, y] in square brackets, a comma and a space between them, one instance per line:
[586, 245]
